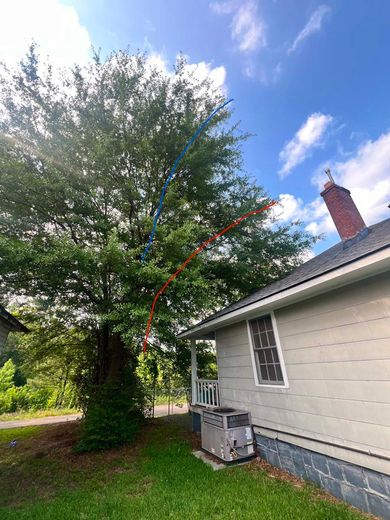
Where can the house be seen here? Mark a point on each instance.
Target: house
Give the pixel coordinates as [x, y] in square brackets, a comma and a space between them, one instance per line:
[8, 323]
[309, 357]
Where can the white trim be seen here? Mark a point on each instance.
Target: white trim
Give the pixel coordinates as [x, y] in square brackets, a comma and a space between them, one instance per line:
[216, 359]
[256, 377]
[357, 270]
[280, 352]
[194, 371]
[279, 349]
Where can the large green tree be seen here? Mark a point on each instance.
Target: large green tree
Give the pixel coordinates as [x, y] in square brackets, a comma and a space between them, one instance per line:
[83, 158]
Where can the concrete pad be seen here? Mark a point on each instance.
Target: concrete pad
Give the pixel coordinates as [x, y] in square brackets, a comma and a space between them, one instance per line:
[210, 462]
[221, 465]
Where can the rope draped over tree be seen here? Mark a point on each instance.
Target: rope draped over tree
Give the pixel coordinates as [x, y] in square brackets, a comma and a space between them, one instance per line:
[83, 157]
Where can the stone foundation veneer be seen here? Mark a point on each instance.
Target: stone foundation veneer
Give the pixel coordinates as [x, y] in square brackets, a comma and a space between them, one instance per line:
[363, 488]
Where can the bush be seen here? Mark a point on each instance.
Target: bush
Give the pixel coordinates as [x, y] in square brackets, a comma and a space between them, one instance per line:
[7, 374]
[5, 402]
[15, 398]
[39, 399]
[19, 398]
[114, 413]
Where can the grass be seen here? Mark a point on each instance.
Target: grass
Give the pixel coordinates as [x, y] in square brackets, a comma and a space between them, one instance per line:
[155, 478]
[17, 434]
[19, 416]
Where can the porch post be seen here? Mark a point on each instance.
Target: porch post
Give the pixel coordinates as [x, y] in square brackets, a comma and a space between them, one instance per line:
[194, 371]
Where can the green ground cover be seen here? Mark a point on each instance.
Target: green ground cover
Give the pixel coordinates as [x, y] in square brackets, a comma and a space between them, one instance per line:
[51, 412]
[156, 478]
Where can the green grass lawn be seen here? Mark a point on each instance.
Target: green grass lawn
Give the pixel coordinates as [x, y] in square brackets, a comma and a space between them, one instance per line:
[17, 434]
[156, 478]
[18, 416]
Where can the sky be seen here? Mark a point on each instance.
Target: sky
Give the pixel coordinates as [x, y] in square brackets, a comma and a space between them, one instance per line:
[310, 81]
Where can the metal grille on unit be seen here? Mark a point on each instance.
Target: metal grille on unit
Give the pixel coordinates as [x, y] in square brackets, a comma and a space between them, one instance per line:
[227, 434]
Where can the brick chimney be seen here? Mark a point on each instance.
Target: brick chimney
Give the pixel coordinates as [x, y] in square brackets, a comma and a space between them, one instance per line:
[342, 209]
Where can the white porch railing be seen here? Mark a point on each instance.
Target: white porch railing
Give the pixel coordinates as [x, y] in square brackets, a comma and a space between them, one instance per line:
[206, 392]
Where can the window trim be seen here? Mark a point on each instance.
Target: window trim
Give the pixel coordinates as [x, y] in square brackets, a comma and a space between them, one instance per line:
[279, 350]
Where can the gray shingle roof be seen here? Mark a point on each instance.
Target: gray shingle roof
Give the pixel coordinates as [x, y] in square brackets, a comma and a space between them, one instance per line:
[378, 237]
[12, 322]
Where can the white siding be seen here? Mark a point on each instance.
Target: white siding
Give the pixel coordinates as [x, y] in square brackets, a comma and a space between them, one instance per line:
[336, 350]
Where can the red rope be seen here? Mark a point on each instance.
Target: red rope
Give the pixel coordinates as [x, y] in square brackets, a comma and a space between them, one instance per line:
[198, 250]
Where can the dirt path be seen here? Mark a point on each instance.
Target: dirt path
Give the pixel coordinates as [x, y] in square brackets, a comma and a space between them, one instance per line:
[159, 411]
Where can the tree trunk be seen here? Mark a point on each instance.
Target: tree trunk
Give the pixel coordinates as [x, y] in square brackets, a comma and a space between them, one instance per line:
[103, 338]
[113, 357]
[64, 382]
[114, 408]
[119, 358]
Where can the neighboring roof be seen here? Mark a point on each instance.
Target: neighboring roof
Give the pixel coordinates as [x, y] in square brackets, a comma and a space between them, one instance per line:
[378, 238]
[13, 323]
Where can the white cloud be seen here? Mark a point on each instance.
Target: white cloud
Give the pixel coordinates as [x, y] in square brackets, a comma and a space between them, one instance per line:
[248, 29]
[290, 207]
[308, 136]
[366, 175]
[157, 61]
[223, 7]
[203, 70]
[55, 27]
[265, 75]
[293, 208]
[199, 71]
[313, 25]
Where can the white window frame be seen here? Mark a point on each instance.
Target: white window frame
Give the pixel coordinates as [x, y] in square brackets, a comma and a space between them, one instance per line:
[278, 347]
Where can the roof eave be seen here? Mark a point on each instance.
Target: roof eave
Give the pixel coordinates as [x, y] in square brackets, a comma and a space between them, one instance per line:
[13, 323]
[364, 267]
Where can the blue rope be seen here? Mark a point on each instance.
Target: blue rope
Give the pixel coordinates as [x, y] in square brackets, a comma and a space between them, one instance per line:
[172, 172]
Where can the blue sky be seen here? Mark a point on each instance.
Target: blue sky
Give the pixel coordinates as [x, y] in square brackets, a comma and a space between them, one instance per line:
[310, 79]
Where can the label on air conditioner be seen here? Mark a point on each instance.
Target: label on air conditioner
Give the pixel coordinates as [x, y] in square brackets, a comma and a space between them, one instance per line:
[248, 433]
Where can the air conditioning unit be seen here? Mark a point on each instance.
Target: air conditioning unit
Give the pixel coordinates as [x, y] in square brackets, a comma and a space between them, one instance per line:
[227, 434]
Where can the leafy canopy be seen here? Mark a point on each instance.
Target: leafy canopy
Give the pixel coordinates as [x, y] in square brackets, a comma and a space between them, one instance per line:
[83, 158]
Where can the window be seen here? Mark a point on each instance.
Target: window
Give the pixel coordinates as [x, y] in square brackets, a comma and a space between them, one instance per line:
[268, 366]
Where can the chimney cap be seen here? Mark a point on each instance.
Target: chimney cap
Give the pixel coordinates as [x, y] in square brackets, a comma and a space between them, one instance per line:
[329, 174]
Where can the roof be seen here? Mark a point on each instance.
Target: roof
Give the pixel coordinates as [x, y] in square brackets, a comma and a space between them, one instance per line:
[377, 238]
[12, 322]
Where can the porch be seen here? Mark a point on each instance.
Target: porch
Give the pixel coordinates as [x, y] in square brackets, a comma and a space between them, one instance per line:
[204, 392]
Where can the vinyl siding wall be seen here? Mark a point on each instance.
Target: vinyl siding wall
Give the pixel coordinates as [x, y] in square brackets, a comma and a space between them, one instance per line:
[336, 350]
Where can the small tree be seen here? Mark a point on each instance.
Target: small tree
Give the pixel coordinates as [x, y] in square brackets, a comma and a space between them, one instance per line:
[54, 355]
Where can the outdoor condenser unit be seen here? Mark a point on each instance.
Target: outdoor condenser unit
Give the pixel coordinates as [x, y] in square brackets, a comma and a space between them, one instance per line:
[227, 434]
